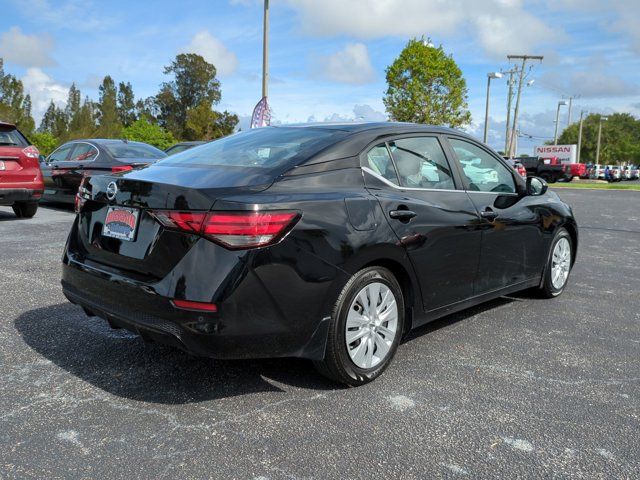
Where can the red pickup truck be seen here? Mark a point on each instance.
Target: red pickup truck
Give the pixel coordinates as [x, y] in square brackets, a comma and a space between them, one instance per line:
[575, 170]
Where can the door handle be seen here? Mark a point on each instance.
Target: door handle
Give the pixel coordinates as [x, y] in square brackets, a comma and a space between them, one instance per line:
[402, 215]
[488, 214]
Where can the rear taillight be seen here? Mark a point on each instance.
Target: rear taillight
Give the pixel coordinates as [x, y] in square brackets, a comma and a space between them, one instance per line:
[234, 230]
[31, 152]
[121, 168]
[197, 306]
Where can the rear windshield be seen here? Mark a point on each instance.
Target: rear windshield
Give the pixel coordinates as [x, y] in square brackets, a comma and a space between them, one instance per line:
[269, 147]
[133, 150]
[10, 136]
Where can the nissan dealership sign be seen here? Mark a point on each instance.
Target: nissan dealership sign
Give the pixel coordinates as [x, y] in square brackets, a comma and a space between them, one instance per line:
[564, 153]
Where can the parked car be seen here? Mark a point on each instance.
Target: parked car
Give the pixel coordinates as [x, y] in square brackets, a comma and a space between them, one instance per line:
[635, 172]
[549, 169]
[21, 182]
[324, 242]
[182, 146]
[597, 172]
[615, 173]
[64, 169]
[517, 166]
[572, 170]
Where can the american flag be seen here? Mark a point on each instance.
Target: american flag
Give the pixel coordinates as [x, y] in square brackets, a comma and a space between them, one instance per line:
[261, 114]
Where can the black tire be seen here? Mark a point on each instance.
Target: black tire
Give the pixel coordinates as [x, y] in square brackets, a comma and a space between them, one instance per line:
[546, 177]
[547, 289]
[25, 209]
[337, 364]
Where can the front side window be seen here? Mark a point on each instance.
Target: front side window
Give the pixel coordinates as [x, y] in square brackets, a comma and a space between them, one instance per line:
[379, 160]
[484, 172]
[421, 163]
[61, 154]
[84, 153]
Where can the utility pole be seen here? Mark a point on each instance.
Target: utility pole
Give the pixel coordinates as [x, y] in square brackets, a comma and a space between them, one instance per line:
[571, 99]
[524, 59]
[599, 136]
[265, 50]
[580, 135]
[509, 98]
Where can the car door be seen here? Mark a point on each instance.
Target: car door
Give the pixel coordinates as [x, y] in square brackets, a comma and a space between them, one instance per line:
[81, 160]
[431, 214]
[511, 234]
[50, 169]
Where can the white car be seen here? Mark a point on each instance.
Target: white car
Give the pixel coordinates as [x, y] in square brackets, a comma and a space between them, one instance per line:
[615, 173]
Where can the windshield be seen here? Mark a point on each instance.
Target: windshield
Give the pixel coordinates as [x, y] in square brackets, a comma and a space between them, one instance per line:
[269, 147]
[133, 150]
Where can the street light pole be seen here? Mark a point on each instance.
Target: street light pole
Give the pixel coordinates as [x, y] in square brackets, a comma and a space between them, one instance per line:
[514, 127]
[486, 110]
[580, 135]
[555, 135]
[599, 137]
[265, 50]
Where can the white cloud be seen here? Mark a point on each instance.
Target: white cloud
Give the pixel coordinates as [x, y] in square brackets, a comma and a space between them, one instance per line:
[498, 25]
[213, 51]
[26, 50]
[43, 89]
[350, 65]
[76, 15]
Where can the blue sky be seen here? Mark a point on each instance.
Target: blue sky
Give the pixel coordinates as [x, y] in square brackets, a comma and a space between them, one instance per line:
[328, 57]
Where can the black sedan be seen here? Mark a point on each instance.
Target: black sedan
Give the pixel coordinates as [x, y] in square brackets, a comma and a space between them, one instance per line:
[64, 169]
[328, 242]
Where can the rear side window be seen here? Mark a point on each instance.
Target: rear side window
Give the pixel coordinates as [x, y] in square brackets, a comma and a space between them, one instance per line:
[84, 153]
[421, 163]
[11, 137]
[484, 172]
[61, 154]
[125, 150]
[379, 160]
[268, 147]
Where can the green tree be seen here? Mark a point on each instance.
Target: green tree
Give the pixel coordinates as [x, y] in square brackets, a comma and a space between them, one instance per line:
[620, 141]
[203, 123]
[15, 106]
[194, 83]
[142, 130]
[425, 85]
[109, 125]
[54, 121]
[126, 104]
[45, 142]
[83, 123]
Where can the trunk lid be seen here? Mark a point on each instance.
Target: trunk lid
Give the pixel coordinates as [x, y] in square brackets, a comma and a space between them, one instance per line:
[154, 251]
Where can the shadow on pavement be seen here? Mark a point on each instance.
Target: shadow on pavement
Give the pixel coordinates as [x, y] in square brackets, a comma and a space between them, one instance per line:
[8, 215]
[122, 364]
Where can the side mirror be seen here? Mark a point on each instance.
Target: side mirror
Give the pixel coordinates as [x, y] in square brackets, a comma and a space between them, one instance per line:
[536, 186]
[42, 158]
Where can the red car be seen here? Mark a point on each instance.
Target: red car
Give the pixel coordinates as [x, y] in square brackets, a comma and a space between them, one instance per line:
[21, 183]
[572, 170]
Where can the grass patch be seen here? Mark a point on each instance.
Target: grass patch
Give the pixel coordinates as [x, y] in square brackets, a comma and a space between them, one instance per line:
[598, 186]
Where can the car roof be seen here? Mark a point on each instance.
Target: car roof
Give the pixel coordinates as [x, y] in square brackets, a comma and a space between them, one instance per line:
[191, 142]
[392, 127]
[361, 134]
[107, 141]
[7, 124]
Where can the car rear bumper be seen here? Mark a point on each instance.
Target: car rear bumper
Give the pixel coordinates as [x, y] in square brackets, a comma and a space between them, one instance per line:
[8, 196]
[248, 323]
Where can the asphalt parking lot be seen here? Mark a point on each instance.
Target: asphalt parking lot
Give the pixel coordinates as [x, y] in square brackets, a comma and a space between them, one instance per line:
[518, 387]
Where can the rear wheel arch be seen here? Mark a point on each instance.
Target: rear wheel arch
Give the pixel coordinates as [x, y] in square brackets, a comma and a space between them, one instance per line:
[406, 284]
